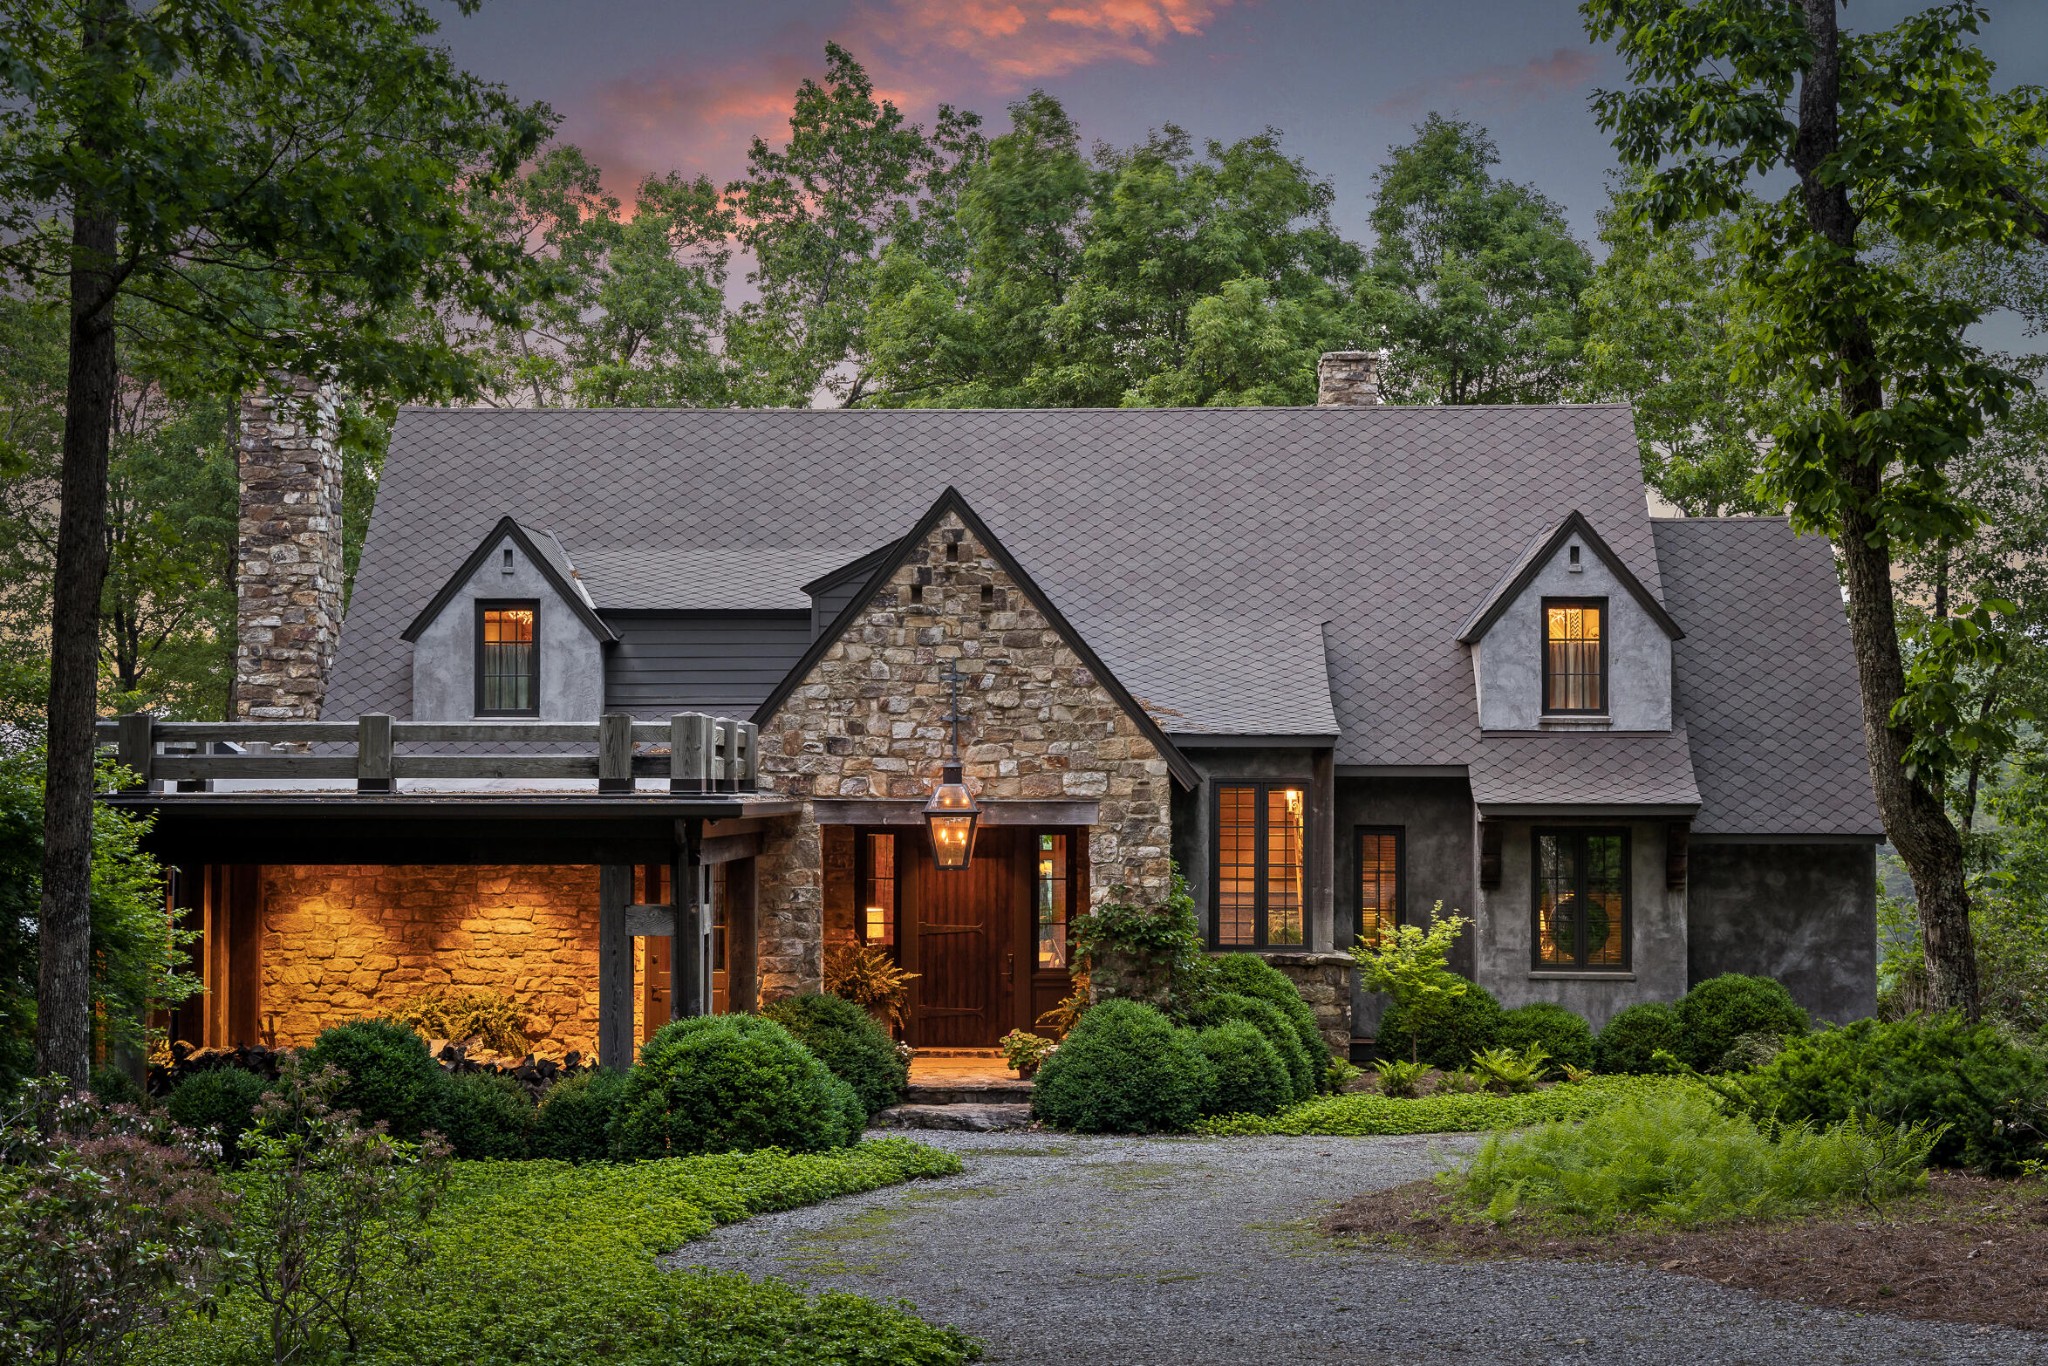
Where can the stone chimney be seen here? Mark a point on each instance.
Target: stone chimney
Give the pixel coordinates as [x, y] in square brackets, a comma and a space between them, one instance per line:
[288, 566]
[1348, 379]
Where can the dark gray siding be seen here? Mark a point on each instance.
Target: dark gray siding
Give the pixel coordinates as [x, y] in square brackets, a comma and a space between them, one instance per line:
[724, 662]
[826, 606]
[1805, 914]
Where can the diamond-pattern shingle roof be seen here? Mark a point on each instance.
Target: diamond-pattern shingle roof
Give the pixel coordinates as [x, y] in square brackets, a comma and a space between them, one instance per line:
[1766, 679]
[1583, 768]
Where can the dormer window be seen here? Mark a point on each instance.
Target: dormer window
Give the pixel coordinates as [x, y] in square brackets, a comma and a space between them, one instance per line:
[507, 659]
[1574, 656]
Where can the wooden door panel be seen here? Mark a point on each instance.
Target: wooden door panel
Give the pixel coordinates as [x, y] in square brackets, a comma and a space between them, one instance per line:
[963, 941]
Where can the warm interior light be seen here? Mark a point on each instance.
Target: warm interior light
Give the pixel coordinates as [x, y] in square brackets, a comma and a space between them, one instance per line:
[1293, 798]
[877, 922]
[950, 815]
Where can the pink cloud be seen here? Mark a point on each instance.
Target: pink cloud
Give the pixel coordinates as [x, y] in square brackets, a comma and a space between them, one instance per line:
[1505, 83]
[1025, 40]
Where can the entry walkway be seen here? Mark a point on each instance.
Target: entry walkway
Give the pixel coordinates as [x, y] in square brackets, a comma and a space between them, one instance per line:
[1145, 1252]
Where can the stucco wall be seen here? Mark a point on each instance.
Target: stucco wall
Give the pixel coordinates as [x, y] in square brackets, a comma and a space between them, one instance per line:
[1434, 816]
[1194, 818]
[1657, 928]
[346, 943]
[867, 721]
[444, 656]
[1805, 914]
[1508, 662]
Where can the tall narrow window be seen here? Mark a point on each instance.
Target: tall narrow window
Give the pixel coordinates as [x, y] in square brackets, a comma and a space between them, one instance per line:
[1574, 655]
[1053, 887]
[1379, 883]
[1260, 832]
[878, 900]
[507, 659]
[1581, 895]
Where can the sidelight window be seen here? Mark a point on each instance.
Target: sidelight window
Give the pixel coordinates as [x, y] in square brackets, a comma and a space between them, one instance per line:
[878, 892]
[507, 659]
[1581, 895]
[1052, 901]
[1259, 865]
[1379, 882]
[1574, 655]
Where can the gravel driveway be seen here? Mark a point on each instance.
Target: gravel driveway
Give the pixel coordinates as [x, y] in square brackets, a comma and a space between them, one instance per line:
[1171, 1251]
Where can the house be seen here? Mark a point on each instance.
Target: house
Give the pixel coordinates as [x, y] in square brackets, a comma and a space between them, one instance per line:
[1335, 664]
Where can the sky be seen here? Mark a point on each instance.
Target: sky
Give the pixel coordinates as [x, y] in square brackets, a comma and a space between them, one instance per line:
[659, 85]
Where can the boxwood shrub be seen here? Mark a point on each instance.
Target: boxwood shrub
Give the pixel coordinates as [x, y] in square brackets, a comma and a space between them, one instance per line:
[1245, 1072]
[1561, 1033]
[221, 1102]
[1299, 1072]
[391, 1077]
[1632, 1037]
[849, 1041]
[1445, 1034]
[1247, 974]
[1125, 1068]
[732, 1083]
[575, 1118]
[486, 1115]
[1720, 1010]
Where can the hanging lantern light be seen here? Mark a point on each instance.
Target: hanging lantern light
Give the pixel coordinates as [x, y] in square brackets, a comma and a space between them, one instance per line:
[951, 816]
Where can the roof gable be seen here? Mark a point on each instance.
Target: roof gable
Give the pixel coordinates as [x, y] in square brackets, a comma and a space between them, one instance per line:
[1538, 553]
[546, 554]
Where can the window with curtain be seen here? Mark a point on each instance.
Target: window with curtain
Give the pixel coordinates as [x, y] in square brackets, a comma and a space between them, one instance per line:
[1581, 896]
[1379, 882]
[1053, 884]
[878, 892]
[1574, 655]
[507, 659]
[1260, 829]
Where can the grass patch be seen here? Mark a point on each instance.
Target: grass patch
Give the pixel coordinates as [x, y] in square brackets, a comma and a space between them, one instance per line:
[1363, 1113]
[545, 1263]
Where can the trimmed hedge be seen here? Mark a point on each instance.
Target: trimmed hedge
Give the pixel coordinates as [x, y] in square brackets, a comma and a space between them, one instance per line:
[1561, 1033]
[732, 1083]
[391, 1077]
[849, 1041]
[1360, 1113]
[1125, 1068]
[222, 1103]
[1247, 974]
[1299, 1072]
[1630, 1041]
[1245, 1072]
[484, 1115]
[1447, 1034]
[575, 1119]
[1720, 1010]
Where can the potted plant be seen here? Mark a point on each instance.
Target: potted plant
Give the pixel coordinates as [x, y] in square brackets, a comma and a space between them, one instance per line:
[1025, 1052]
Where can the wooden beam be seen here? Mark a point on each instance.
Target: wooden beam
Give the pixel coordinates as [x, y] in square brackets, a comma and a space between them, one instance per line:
[910, 811]
[645, 921]
[727, 848]
[373, 753]
[177, 767]
[615, 752]
[614, 967]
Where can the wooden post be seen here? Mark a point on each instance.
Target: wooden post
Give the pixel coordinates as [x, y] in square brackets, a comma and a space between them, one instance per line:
[136, 746]
[688, 985]
[373, 752]
[615, 752]
[728, 770]
[689, 752]
[614, 967]
[750, 748]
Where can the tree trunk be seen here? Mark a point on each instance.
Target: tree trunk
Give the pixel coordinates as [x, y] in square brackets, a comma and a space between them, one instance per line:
[1914, 815]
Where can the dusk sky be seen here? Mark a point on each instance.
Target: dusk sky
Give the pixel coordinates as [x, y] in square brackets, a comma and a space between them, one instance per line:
[655, 85]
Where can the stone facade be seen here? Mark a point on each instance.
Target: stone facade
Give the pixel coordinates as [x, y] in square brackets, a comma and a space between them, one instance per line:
[1348, 379]
[869, 721]
[344, 943]
[288, 572]
[1325, 982]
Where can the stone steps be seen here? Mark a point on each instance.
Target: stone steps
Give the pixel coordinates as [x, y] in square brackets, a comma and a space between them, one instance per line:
[962, 1091]
[977, 1118]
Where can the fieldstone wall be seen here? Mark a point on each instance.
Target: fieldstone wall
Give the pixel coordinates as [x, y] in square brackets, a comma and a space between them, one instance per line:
[1348, 379]
[868, 721]
[1324, 981]
[344, 943]
[288, 568]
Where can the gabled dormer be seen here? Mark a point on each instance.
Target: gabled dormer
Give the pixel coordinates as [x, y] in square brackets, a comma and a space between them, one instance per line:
[512, 633]
[1570, 639]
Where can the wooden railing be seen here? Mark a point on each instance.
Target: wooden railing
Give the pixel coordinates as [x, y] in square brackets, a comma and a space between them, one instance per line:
[695, 752]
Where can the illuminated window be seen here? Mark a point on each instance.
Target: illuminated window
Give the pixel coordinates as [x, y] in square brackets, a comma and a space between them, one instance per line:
[507, 659]
[1581, 897]
[1379, 883]
[1259, 865]
[1574, 655]
[1052, 901]
[878, 888]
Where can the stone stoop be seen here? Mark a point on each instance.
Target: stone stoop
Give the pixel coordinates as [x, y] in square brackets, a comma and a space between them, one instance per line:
[960, 1089]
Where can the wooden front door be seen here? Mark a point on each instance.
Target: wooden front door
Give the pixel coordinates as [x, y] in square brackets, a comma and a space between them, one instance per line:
[963, 944]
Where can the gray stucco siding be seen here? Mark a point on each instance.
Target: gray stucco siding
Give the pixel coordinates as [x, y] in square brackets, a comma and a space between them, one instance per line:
[1194, 817]
[444, 655]
[1507, 662]
[720, 662]
[1503, 937]
[1434, 817]
[1805, 914]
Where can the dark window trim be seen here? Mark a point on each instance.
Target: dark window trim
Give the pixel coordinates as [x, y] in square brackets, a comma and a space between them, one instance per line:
[1543, 630]
[1261, 864]
[1358, 836]
[1628, 871]
[487, 605]
[863, 873]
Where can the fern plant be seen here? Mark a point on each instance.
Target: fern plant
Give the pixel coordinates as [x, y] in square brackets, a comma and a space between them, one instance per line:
[1398, 1079]
[869, 977]
[1507, 1071]
[489, 1019]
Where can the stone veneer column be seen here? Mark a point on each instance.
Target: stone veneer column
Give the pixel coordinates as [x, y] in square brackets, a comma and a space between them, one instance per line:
[1348, 379]
[288, 567]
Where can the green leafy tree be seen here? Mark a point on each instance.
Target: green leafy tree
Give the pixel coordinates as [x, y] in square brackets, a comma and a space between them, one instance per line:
[1474, 281]
[1410, 963]
[270, 185]
[1867, 141]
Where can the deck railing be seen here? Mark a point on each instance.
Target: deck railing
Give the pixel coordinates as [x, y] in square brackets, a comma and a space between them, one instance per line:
[695, 752]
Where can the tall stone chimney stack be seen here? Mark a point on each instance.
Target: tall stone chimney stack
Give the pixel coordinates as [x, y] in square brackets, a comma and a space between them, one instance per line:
[288, 573]
[1348, 379]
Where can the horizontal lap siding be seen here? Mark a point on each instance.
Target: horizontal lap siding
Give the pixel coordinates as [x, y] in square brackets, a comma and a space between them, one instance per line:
[707, 661]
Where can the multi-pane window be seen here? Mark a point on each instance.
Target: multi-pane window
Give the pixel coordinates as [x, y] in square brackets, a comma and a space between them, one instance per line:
[507, 659]
[1581, 899]
[1053, 894]
[1259, 865]
[878, 902]
[1574, 655]
[1379, 883]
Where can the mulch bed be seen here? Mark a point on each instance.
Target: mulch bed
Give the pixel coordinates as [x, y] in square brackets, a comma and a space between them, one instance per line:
[1970, 1250]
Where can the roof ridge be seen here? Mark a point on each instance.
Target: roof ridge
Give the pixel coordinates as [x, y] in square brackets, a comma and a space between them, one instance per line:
[1177, 408]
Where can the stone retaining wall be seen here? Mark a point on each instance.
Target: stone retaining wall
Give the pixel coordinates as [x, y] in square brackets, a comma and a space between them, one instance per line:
[1324, 981]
